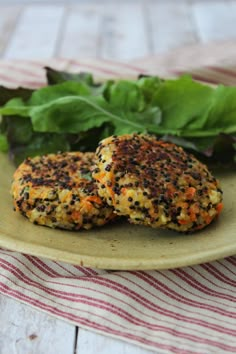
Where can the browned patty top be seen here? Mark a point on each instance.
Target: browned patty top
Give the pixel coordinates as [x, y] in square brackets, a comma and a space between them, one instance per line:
[64, 171]
[157, 165]
[172, 182]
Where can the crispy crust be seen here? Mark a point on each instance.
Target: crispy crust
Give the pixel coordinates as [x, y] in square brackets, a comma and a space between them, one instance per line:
[156, 183]
[57, 190]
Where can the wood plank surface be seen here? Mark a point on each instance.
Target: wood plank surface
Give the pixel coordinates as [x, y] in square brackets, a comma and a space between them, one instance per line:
[36, 33]
[24, 330]
[171, 25]
[123, 32]
[215, 20]
[80, 35]
[105, 31]
[8, 19]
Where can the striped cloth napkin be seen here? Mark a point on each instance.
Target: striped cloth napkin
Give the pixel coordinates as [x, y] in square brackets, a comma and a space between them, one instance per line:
[187, 310]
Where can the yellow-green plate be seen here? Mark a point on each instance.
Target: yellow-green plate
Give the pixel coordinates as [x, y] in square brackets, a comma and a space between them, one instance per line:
[119, 246]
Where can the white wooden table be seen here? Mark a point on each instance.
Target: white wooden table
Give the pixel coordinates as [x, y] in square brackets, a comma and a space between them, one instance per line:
[122, 31]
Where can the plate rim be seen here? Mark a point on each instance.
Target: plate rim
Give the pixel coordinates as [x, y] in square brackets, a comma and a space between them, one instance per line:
[109, 263]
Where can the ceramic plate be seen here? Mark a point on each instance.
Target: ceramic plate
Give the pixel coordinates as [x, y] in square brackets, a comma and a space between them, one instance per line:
[120, 245]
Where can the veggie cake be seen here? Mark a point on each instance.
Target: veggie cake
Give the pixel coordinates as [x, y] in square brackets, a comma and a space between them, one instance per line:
[156, 183]
[57, 190]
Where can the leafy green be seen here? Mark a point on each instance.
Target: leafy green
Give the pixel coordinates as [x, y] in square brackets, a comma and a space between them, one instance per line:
[7, 94]
[57, 77]
[18, 131]
[190, 109]
[3, 143]
[149, 86]
[74, 113]
[40, 144]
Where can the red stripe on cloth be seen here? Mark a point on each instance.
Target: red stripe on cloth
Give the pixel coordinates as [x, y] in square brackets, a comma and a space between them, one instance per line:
[189, 291]
[80, 287]
[220, 276]
[138, 311]
[135, 68]
[13, 80]
[175, 296]
[223, 265]
[91, 324]
[86, 271]
[38, 64]
[195, 76]
[232, 260]
[21, 70]
[48, 279]
[33, 260]
[172, 331]
[76, 297]
[42, 266]
[95, 302]
[65, 269]
[42, 295]
[225, 71]
[201, 287]
[175, 306]
[98, 67]
[30, 269]
[100, 292]
[104, 318]
[90, 313]
[209, 279]
[159, 309]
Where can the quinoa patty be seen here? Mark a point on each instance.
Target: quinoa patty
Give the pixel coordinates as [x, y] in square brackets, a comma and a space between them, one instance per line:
[57, 190]
[156, 183]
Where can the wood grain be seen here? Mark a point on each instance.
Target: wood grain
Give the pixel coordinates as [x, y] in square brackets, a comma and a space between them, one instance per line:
[171, 25]
[24, 330]
[36, 33]
[105, 31]
[123, 34]
[80, 35]
[8, 19]
[215, 20]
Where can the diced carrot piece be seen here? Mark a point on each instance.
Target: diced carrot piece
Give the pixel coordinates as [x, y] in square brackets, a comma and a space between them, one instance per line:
[208, 219]
[183, 222]
[100, 175]
[192, 216]
[190, 192]
[76, 215]
[219, 207]
[94, 198]
[124, 191]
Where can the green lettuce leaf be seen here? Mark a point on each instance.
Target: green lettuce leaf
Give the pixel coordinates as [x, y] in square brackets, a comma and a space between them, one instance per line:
[74, 114]
[149, 86]
[7, 94]
[57, 77]
[78, 113]
[191, 109]
[39, 144]
[3, 143]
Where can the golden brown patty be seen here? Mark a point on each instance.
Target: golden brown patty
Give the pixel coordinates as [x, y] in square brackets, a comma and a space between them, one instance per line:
[57, 190]
[156, 183]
